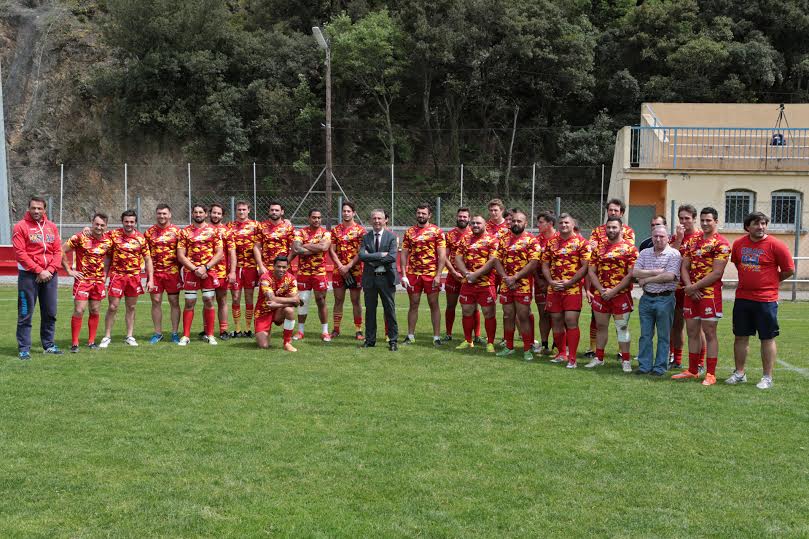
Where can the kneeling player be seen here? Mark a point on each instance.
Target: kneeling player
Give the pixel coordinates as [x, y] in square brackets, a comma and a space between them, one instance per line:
[474, 261]
[278, 297]
[610, 273]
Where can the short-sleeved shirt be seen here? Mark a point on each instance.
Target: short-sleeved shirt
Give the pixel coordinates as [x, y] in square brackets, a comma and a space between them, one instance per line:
[90, 254]
[613, 262]
[704, 253]
[565, 257]
[313, 264]
[346, 240]
[128, 252]
[475, 252]
[163, 248]
[598, 237]
[243, 235]
[669, 260]
[281, 288]
[422, 244]
[221, 268]
[514, 253]
[684, 247]
[496, 228]
[200, 244]
[454, 238]
[759, 264]
[275, 239]
[543, 245]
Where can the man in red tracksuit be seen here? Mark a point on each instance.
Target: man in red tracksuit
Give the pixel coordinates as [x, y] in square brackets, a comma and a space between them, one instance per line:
[38, 250]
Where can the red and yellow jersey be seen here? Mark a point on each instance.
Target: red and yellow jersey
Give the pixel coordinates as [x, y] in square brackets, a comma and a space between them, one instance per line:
[495, 229]
[346, 240]
[613, 262]
[163, 248]
[566, 257]
[423, 244]
[200, 244]
[286, 287]
[475, 252]
[543, 245]
[90, 254]
[128, 252]
[454, 239]
[703, 253]
[243, 234]
[516, 252]
[226, 235]
[312, 264]
[275, 240]
[598, 238]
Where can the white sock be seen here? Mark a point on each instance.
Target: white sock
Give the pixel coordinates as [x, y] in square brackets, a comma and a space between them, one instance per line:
[324, 328]
[411, 336]
[436, 337]
[300, 327]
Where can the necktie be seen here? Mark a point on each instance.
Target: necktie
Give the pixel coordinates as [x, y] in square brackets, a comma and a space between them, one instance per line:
[377, 242]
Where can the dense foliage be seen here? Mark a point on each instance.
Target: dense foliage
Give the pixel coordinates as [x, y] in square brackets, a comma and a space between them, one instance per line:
[436, 82]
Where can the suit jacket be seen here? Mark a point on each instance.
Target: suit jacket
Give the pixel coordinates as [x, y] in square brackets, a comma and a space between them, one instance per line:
[372, 259]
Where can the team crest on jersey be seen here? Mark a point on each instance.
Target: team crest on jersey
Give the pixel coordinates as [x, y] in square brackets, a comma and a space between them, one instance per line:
[708, 310]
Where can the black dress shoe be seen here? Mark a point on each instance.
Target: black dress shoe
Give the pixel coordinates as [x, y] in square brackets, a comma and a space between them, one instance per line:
[367, 345]
[393, 347]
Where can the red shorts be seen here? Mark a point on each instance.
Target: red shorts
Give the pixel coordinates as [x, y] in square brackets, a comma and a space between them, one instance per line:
[559, 302]
[620, 304]
[477, 295]
[704, 309]
[191, 282]
[679, 299]
[318, 283]
[453, 285]
[89, 290]
[422, 283]
[167, 282]
[125, 285]
[337, 280]
[540, 292]
[515, 296]
[264, 322]
[245, 278]
[224, 284]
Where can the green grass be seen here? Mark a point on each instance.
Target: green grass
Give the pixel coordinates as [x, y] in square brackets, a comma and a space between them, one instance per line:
[336, 441]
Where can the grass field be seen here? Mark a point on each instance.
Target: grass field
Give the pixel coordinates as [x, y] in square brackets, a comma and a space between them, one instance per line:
[336, 441]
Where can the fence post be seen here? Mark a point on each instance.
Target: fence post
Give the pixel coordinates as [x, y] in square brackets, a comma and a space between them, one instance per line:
[232, 208]
[61, 194]
[339, 210]
[189, 193]
[602, 185]
[674, 159]
[798, 224]
[461, 204]
[532, 219]
[392, 196]
[674, 218]
[50, 201]
[126, 186]
[255, 196]
[137, 210]
[438, 211]
[558, 207]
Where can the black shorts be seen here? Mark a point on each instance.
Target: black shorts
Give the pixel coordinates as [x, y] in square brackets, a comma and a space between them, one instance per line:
[751, 316]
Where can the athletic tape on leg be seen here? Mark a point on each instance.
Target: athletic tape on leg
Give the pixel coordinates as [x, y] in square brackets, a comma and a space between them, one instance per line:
[622, 329]
[306, 297]
[289, 324]
[191, 294]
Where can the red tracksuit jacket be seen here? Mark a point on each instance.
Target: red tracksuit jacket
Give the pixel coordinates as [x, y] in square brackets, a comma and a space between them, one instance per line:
[37, 246]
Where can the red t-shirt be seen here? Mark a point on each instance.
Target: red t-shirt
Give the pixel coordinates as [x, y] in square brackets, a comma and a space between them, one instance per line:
[758, 264]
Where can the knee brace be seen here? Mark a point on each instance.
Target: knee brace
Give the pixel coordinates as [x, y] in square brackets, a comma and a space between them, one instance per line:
[622, 329]
[208, 294]
[306, 297]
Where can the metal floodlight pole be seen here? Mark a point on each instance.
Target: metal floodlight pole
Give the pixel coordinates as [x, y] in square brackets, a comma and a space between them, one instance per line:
[324, 44]
[189, 193]
[5, 210]
[462, 184]
[255, 197]
[533, 191]
[61, 194]
[126, 187]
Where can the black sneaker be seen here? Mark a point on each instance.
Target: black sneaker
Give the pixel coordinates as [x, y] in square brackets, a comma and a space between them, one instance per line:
[447, 338]
[93, 346]
[589, 354]
[248, 334]
[201, 334]
[479, 340]
[437, 341]
[74, 349]
[224, 335]
[409, 340]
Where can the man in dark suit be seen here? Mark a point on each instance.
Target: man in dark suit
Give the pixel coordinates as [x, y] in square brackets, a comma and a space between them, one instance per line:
[379, 278]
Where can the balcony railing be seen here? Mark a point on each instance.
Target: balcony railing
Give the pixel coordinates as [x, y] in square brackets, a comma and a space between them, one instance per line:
[718, 148]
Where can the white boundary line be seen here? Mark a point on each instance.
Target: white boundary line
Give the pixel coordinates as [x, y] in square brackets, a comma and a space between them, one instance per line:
[799, 370]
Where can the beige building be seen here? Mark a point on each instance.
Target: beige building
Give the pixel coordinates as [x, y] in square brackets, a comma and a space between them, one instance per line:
[736, 158]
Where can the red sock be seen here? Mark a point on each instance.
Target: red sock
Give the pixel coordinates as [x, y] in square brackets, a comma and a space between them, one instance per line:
[625, 356]
[527, 341]
[75, 329]
[92, 327]
[693, 363]
[711, 365]
[287, 336]
[559, 340]
[358, 323]
[678, 356]
[449, 320]
[223, 326]
[600, 354]
[188, 319]
[477, 323]
[208, 320]
[509, 336]
[491, 329]
[248, 316]
[533, 324]
[702, 353]
[572, 337]
[468, 327]
[593, 332]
